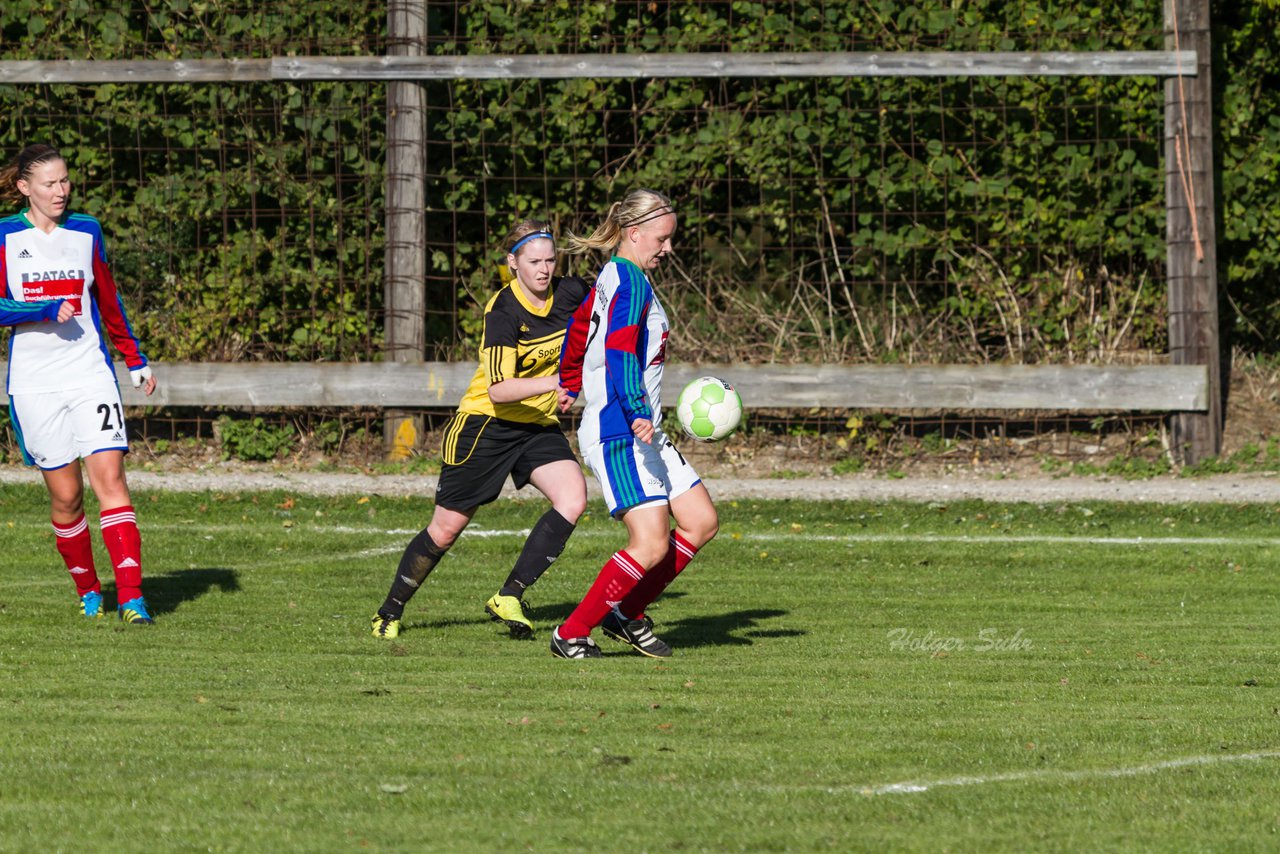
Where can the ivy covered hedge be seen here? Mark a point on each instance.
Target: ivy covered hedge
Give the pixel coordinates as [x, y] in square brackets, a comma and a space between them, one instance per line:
[243, 220]
[892, 219]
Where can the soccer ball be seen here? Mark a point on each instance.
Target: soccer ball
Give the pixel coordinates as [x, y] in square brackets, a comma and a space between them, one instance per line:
[709, 409]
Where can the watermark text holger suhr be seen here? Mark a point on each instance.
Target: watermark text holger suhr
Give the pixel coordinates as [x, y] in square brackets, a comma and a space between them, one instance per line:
[986, 640]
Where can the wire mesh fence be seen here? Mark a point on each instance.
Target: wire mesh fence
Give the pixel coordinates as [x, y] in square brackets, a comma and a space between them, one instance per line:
[927, 220]
[835, 220]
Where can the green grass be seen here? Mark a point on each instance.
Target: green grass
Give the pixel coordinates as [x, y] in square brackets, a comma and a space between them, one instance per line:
[825, 652]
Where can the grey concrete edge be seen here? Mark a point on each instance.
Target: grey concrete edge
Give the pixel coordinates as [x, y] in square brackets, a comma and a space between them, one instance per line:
[1233, 489]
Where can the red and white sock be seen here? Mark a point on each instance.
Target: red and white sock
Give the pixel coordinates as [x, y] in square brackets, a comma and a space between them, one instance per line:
[617, 578]
[124, 544]
[679, 553]
[77, 553]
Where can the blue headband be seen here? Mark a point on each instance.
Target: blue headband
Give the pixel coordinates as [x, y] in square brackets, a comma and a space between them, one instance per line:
[535, 236]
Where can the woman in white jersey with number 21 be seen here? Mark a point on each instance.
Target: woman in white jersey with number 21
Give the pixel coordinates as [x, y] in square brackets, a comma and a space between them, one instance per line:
[613, 354]
[59, 297]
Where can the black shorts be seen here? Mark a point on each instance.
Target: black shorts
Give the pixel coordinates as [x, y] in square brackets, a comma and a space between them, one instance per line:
[479, 452]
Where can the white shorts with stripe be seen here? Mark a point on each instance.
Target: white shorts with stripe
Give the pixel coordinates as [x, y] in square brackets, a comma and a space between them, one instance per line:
[632, 473]
[54, 428]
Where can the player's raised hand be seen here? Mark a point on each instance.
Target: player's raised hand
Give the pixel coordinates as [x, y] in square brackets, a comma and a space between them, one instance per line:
[66, 311]
[642, 429]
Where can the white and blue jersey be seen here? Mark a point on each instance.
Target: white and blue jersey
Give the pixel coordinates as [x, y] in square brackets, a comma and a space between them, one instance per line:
[614, 353]
[38, 271]
[622, 354]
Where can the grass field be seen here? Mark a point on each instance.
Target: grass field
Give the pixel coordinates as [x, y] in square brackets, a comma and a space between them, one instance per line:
[847, 676]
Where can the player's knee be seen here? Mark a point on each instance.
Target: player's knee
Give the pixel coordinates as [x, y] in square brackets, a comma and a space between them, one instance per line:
[648, 557]
[66, 505]
[705, 533]
[712, 528]
[572, 508]
[701, 530]
[444, 536]
[112, 493]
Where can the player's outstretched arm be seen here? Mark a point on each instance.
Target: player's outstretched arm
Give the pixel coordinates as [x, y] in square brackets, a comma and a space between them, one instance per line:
[13, 312]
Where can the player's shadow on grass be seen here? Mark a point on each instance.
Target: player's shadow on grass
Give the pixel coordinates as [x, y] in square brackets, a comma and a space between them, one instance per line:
[164, 593]
[736, 628]
[557, 613]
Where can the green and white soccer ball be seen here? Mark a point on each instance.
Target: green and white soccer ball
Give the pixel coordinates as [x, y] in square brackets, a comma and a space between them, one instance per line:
[709, 409]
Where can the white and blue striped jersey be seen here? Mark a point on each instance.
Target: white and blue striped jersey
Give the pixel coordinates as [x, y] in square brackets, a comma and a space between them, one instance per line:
[621, 353]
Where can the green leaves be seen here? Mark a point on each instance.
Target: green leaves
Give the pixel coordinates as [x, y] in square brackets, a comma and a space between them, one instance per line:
[265, 202]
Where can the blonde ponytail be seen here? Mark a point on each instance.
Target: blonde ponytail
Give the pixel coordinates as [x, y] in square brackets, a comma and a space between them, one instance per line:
[638, 206]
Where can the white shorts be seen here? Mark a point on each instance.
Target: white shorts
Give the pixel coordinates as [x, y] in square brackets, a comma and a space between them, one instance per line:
[632, 473]
[54, 428]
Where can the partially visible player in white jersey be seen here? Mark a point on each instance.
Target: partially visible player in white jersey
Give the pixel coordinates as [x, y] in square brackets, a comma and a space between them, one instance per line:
[613, 354]
[64, 403]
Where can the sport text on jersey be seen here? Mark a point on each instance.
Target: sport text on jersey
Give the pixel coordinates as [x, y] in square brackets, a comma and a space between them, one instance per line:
[531, 357]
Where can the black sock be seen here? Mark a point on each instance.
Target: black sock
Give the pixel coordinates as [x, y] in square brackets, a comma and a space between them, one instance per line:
[544, 545]
[419, 558]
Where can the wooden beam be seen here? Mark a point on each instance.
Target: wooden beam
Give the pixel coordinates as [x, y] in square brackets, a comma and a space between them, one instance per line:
[439, 385]
[253, 385]
[606, 65]
[977, 387]
[404, 287]
[650, 65]
[136, 71]
[1191, 233]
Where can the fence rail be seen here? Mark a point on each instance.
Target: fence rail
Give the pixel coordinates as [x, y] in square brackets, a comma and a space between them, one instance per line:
[1066, 388]
[561, 66]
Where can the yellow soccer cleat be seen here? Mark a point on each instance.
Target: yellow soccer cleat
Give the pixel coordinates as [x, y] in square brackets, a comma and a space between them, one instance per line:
[385, 627]
[509, 610]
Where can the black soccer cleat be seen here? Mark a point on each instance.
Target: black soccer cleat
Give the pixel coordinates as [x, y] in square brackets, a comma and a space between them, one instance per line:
[573, 647]
[637, 634]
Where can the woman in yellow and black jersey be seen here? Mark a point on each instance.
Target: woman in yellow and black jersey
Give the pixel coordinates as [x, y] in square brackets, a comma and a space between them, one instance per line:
[524, 328]
[506, 426]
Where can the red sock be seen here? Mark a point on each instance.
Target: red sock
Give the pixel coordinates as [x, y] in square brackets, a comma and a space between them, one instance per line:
[124, 544]
[617, 577]
[678, 555]
[77, 553]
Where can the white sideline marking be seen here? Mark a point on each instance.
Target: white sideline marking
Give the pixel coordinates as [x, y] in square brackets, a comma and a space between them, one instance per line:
[305, 561]
[960, 539]
[409, 532]
[912, 788]
[981, 539]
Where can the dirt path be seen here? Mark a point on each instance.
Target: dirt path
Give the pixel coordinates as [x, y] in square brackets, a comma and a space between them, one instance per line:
[1167, 490]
